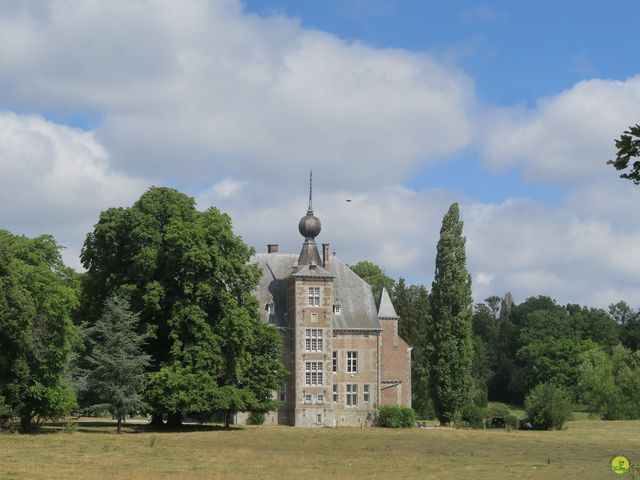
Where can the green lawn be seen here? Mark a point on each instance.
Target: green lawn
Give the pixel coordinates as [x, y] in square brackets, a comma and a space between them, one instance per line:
[582, 451]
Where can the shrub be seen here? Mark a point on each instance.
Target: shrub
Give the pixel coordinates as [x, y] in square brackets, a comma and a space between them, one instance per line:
[5, 414]
[473, 415]
[395, 416]
[390, 416]
[547, 406]
[257, 418]
[456, 420]
[496, 414]
[408, 417]
[511, 422]
[497, 410]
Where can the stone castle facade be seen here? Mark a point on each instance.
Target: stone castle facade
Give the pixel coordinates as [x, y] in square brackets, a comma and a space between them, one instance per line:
[344, 354]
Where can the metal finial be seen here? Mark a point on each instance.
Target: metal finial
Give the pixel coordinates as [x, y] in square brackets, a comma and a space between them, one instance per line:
[310, 189]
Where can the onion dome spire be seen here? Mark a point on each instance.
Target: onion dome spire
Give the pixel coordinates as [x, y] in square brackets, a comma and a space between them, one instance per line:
[309, 227]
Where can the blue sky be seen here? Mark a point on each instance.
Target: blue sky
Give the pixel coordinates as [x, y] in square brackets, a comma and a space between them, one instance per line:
[508, 108]
[516, 53]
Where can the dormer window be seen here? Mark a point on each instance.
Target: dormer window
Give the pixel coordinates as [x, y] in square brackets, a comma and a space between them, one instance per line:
[337, 308]
[270, 307]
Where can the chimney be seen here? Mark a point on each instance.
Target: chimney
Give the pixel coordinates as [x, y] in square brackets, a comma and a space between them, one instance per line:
[325, 255]
[272, 248]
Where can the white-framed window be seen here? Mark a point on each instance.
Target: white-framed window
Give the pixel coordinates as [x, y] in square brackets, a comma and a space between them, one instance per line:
[320, 398]
[337, 308]
[352, 362]
[335, 392]
[282, 394]
[352, 394]
[313, 374]
[334, 366]
[313, 339]
[314, 297]
[319, 417]
[366, 393]
[308, 398]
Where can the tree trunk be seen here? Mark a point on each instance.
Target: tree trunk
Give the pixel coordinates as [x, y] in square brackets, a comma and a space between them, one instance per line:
[25, 424]
[119, 423]
[156, 420]
[174, 420]
[227, 419]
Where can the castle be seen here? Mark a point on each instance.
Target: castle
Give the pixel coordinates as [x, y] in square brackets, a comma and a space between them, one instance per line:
[344, 355]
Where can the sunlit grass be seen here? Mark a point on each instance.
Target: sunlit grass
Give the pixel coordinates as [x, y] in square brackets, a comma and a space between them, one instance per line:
[96, 452]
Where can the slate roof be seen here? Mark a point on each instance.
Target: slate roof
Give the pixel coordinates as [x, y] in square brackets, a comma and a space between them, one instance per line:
[386, 310]
[313, 270]
[358, 308]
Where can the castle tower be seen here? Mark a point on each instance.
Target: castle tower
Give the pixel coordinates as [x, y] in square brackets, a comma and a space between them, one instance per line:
[395, 371]
[311, 316]
[344, 356]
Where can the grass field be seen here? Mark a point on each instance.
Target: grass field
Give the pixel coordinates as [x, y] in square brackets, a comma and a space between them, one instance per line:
[96, 452]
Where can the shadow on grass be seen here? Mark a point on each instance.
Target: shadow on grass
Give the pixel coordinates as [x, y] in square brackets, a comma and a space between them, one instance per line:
[109, 427]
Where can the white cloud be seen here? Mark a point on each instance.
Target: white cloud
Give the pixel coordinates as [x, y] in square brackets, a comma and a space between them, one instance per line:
[483, 279]
[230, 94]
[541, 249]
[55, 179]
[235, 109]
[566, 137]
[521, 246]
[225, 189]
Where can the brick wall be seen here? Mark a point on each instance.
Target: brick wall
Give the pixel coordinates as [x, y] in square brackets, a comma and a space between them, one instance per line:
[395, 366]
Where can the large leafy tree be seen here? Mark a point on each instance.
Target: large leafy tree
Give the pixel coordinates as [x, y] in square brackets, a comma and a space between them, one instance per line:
[628, 146]
[449, 337]
[503, 379]
[485, 345]
[610, 384]
[629, 321]
[188, 275]
[374, 276]
[594, 324]
[116, 373]
[38, 296]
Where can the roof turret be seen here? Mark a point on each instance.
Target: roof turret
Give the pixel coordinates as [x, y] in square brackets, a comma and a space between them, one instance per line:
[386, 310]
[309, 227]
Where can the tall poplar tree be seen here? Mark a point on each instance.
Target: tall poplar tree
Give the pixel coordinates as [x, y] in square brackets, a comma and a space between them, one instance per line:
[449, 350]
